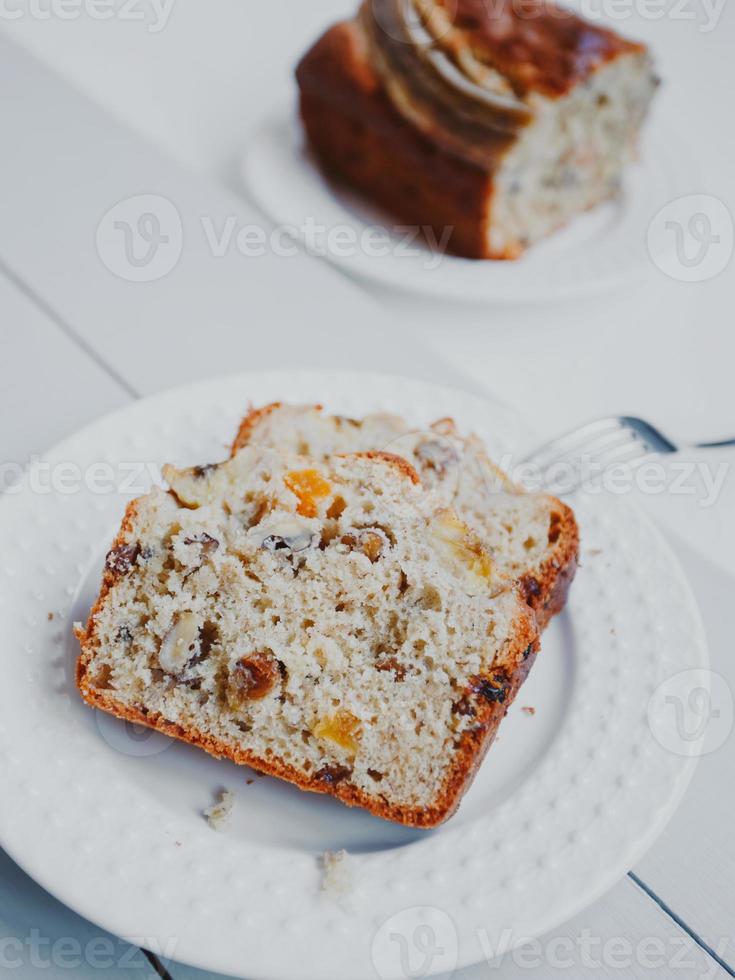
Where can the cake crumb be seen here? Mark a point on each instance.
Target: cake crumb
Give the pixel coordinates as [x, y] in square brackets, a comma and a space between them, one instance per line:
[249, 782]
[336, 873]
[220, 812]
[49, 616]
[528, 710]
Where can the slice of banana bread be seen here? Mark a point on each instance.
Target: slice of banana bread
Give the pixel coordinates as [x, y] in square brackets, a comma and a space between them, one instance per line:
[325, 622]
[532, 537]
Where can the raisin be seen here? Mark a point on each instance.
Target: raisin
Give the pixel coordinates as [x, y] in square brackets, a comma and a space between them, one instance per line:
[530, 588]
[252, 678]
[201, 471]
[121, 559]
[333, 774]
[125, 634]
[385, 662]
[464, 708]
[208, 637]
[493, 691]
[554, 527]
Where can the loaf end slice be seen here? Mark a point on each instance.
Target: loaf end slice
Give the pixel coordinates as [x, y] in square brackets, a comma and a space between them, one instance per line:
[532, 537]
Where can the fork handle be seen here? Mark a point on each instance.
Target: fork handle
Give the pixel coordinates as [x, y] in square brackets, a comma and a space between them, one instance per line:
[715, 445]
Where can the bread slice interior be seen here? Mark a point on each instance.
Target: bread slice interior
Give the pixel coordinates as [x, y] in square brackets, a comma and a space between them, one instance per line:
[532, 537]
[328, 622]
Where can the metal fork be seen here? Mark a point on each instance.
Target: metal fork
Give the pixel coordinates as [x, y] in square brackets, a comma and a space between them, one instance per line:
[616, 441]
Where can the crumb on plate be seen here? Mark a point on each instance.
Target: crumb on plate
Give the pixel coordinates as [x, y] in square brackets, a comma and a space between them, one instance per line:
[336, 872]
[220, 812]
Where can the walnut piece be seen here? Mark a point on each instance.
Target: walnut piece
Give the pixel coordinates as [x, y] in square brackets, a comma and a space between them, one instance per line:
[208, 544]
[285, 532]
[180, 644]
[436, 455]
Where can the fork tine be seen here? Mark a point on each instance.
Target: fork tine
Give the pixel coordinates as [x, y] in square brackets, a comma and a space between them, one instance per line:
[621, 447]
[632, 451]
[591, 449]
[561, 447]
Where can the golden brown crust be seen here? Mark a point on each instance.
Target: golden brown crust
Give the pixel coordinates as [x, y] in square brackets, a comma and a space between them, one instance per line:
[253, 418]
[546, 591]
[474, 743]
[401, 464]
[535, 44]
[86, 635]
[360, 139]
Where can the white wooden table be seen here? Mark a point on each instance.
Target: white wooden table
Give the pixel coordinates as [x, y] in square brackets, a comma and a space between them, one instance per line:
[73, 337]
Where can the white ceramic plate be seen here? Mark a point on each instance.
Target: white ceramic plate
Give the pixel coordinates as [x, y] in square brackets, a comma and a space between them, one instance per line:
[601, 249]
[108, 817]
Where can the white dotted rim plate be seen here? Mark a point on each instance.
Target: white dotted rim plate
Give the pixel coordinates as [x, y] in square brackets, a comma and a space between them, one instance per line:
[597, 251]
[565, 803]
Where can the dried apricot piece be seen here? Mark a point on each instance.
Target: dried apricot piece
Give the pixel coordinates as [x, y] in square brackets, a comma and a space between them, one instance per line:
[309, 486]
[342, 728]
